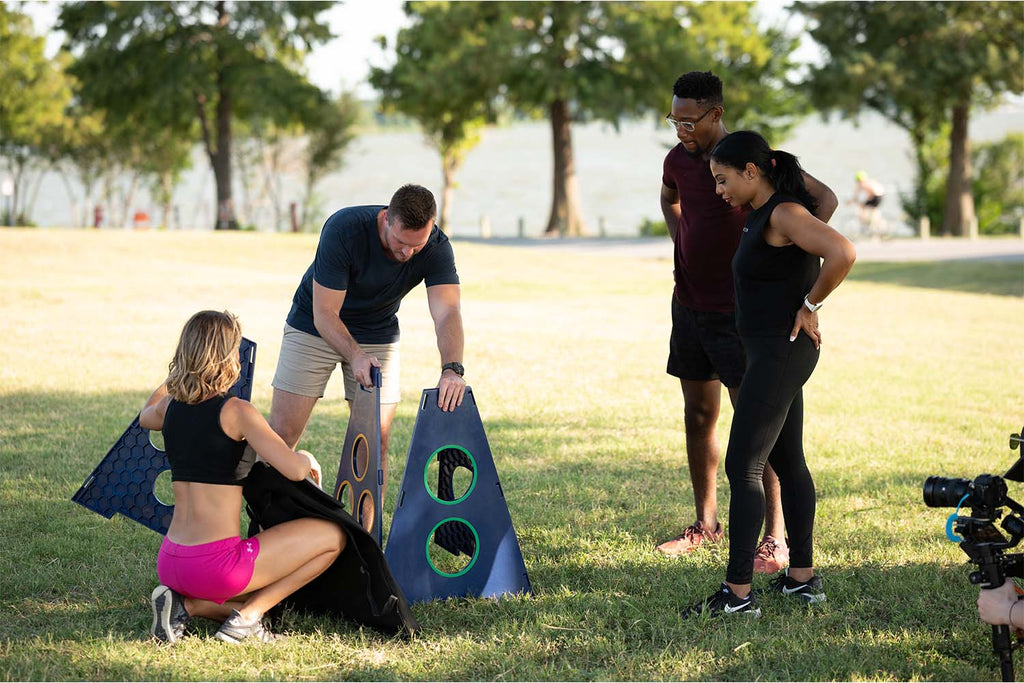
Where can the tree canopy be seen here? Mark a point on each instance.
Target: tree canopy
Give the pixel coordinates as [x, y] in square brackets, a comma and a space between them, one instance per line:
[191, 67]
[445, 77]
[33, 94]
[579, 61]
[923, 66]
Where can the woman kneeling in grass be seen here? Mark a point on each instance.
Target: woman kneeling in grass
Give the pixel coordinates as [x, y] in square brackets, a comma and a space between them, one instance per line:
[787, 262]
[205, 567]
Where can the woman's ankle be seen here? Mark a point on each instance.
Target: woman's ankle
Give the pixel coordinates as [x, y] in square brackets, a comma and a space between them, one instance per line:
[740, 590]
[801, 574]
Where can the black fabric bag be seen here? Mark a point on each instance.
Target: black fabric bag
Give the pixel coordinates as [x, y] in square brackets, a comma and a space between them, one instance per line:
[359, 585]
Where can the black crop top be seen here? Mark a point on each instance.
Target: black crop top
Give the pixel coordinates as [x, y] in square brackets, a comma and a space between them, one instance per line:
[770, 281]
[197, 447]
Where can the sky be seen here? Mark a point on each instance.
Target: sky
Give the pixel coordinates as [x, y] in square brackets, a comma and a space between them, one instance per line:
[344, 62]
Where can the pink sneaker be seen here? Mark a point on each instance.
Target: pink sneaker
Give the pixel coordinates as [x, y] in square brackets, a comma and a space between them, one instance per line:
[691, 539]
[770, 556]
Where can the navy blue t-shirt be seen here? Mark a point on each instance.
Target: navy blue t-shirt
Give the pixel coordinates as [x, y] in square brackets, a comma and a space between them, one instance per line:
[350, 257]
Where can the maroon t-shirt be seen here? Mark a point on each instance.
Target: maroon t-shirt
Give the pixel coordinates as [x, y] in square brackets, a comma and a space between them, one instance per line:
[709, 232]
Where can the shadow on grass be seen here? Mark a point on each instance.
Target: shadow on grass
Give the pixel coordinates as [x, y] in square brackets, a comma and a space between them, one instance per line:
[977, 276]
[606, 606]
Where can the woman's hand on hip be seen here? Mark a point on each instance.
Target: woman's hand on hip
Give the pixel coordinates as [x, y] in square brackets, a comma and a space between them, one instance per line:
[808, 322]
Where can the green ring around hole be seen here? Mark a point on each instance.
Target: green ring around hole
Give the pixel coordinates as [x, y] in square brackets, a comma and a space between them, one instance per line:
[476, 548]
[472, 484]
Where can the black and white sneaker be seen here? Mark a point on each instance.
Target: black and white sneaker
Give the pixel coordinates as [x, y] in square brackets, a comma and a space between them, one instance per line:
[811, 591]
[235, 629]
[724, 602]
[169, 614]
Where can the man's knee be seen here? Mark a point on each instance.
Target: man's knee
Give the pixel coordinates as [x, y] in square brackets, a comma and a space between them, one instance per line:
[700, 419]
[289, 433]
[289, 414]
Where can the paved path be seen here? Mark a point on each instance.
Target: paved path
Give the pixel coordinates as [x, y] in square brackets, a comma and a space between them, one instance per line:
[934, 249]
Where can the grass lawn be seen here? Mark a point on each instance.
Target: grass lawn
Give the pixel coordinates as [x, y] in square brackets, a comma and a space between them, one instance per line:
[922, 372]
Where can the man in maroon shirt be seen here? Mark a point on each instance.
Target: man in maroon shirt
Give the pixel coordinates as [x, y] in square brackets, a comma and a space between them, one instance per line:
[705, 351]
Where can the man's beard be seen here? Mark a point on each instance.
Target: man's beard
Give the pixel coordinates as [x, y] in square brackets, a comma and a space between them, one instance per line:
[694, 155]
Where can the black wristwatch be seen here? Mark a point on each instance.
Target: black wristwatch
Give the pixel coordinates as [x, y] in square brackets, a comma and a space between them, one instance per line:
[454, 367]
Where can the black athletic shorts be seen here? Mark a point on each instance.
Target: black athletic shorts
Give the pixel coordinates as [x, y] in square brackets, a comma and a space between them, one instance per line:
[705, 346]
[874, 201]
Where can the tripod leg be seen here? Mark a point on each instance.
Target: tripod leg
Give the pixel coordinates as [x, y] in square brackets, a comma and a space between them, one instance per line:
[1004, 650]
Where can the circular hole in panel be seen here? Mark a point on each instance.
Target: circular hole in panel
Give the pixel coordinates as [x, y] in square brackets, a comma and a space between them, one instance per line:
[346, 495]
[360, 457]
[162, 488]
[156, 437]
[367, 515]
[450, 475]
[452, 547]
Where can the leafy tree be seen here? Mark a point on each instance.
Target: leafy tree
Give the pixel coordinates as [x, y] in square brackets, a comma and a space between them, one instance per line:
[584, 60]
[920, 65]
[175, 64]
[328, 134]
[997, 183]
[445, 78]
[33, 93]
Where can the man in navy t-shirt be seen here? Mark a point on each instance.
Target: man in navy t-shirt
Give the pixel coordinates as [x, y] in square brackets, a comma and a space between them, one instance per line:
[705, 351]
[345, 310]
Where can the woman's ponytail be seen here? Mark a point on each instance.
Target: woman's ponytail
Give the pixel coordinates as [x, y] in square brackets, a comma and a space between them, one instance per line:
[787, 177]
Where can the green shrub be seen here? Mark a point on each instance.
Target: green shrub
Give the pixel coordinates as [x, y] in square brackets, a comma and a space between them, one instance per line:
[997, 184]
[649, 228]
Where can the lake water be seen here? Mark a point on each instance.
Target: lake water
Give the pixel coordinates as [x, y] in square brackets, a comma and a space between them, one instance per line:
[508, 176]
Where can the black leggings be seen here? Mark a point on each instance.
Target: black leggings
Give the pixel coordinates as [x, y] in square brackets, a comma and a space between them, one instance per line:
[767, 426]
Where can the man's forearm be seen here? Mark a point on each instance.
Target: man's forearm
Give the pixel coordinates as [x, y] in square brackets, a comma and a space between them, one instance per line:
[337, 336]
[450, 338]
[671, 213]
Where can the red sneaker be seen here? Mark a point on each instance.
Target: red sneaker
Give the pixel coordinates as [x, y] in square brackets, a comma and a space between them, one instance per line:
[691, 539]
[770, 556]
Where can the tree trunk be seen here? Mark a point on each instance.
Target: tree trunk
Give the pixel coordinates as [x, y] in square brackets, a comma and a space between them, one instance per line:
[923, 175]
[221, 156]
[449, 165]
[167, 190]
[72, 197]
[566, 214]
[959, 213]
[221, 160]
[127, 198]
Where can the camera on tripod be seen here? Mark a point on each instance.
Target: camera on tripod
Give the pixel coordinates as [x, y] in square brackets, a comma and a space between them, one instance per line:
[980, 539]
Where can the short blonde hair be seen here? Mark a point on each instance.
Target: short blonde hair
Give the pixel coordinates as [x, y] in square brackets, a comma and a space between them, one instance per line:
[206, 362]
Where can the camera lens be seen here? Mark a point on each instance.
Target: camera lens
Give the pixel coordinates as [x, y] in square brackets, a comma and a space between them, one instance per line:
[943, 492]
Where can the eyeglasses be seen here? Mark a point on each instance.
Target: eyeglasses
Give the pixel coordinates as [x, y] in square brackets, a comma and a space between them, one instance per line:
[686, 125]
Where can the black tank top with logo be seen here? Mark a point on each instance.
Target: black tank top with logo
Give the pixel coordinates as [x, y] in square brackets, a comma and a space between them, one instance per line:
[771, 282]
[197, 447]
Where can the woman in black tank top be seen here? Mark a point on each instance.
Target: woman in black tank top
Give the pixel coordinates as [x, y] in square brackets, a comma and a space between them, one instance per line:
[787, 262]
[206, 569]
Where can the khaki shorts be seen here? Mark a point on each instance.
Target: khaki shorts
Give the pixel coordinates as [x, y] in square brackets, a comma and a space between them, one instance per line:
[306, 363]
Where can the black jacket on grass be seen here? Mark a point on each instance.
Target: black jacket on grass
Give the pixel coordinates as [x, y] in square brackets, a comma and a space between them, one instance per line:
[359, 585]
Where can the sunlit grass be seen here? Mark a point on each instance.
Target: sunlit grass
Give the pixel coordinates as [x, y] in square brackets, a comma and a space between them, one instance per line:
[922, 373]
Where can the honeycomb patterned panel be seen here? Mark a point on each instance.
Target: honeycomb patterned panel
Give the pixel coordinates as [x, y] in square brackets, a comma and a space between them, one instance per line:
[124, 480]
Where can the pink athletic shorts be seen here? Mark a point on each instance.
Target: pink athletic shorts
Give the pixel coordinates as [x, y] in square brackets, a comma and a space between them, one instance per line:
[215, 571]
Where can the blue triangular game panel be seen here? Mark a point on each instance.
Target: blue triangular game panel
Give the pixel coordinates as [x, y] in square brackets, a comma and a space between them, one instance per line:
[360, 477]
[124, 480]
[451, 534]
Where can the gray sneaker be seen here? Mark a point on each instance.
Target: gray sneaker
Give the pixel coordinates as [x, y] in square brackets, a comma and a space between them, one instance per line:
[235, 629]
[169, 614]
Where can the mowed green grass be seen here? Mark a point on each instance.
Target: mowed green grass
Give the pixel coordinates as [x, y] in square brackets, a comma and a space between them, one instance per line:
[565, 353]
